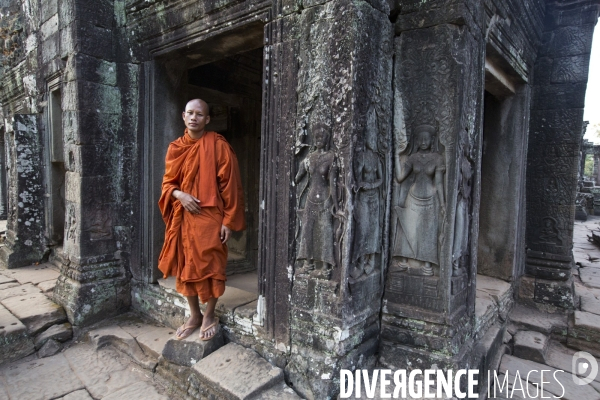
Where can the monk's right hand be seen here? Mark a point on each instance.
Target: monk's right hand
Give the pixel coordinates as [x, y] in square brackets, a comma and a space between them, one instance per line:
[189, 202]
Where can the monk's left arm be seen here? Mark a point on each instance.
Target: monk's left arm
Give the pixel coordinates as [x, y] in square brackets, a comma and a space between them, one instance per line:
[230, 187]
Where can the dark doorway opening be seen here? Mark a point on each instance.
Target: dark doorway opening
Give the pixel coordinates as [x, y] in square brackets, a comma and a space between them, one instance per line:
[232, 87]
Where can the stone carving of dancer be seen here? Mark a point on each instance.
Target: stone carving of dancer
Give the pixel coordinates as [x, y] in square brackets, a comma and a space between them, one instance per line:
[316, 179]
[368, 174]
[421, 212]
[460, 246]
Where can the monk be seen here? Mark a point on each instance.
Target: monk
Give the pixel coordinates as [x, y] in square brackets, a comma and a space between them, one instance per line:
[202, 202]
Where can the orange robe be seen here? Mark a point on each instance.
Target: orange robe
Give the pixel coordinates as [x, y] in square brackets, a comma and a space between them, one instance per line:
[206, 168]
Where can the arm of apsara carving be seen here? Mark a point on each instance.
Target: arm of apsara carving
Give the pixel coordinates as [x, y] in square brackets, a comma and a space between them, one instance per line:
[333, 173]
[358, 173]
[301, 172]
[403, 173]
[439, 187]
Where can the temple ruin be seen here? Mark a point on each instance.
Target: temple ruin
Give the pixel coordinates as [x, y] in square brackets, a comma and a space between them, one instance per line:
[397, 157]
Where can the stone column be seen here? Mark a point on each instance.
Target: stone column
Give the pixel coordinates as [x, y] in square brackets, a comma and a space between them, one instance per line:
[25, 223]
[341, 183]
[99, 100]
[430, 286]
[3, 187]
[560, 78]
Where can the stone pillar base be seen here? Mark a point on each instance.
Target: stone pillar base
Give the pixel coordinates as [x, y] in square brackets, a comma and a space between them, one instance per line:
[88, 302]
[13, 258]
[534, 291]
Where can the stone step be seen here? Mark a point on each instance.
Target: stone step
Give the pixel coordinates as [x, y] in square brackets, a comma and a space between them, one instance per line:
[584, 332]
[15, 343]
[531, 345]
[236, 372]
[524, 318]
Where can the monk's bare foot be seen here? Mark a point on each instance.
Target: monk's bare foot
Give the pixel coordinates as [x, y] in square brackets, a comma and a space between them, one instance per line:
[210, 325]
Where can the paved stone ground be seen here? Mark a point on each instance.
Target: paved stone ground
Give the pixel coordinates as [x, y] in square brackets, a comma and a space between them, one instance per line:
[132, 358]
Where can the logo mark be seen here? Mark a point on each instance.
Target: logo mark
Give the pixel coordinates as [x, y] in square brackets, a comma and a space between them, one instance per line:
[585, 368]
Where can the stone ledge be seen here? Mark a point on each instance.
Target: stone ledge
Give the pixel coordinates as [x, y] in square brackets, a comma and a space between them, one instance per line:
[235, 372]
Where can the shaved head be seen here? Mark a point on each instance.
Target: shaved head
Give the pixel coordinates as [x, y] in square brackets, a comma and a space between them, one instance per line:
[195, 117]
[194, 102]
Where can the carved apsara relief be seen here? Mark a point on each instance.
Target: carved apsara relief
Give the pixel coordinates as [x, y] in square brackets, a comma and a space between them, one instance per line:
[317, 193]
[368, 177]
[420, 209]
[462, 219]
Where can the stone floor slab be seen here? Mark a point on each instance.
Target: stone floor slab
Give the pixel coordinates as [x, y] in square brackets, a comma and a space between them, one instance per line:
[14, 341]
[237, 372]
[33, 273]
[590, 277]
[588, 321]
[115, 336]
[137, 391]
[47, 286]
[19, 290]
[569, 390]
[6, 279]
[77, 395]
[155, 338]
[234, 297]
[9, 285]
[36, 311]
[59, 332]
[41, 379]
[526, 318]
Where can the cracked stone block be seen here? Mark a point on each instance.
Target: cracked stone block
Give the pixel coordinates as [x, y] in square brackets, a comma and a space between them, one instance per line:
[50, 348]
[236, 372]
[191, 350]
[14, 341]
[531, 345]
[36, 311]
[6, 279]
[155, 338]
[46, 378]
[139, 390]
[77, 395]
[122, 341]
[60, 332]
[8, 285]
[19, 290]
[47, 286]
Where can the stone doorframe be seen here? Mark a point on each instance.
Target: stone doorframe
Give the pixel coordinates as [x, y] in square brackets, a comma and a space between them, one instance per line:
[163, 78]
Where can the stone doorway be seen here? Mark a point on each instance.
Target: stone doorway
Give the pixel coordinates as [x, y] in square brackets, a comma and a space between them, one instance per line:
[232, 87]
[502, 208]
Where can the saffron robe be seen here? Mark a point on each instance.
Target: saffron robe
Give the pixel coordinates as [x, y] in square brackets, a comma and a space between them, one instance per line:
[207, 169]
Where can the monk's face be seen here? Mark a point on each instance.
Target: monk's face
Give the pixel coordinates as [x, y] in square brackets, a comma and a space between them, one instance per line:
[196, 116]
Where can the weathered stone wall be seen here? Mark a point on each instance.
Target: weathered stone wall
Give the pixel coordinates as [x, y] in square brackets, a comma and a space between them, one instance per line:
[559, 84]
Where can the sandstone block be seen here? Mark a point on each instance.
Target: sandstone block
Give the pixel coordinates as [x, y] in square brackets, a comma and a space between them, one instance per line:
[33, 273]
[50, 348]
[6, 279]
[278, 392]
[139, 390]
[531, 345]
[235, 372]
[46, 378]
[36, 311]
[60, 333]
[77, 395]
[47, 286]
[191, 350]
[19, 290]
[153, 341]
[123, 341]
[14, 341]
